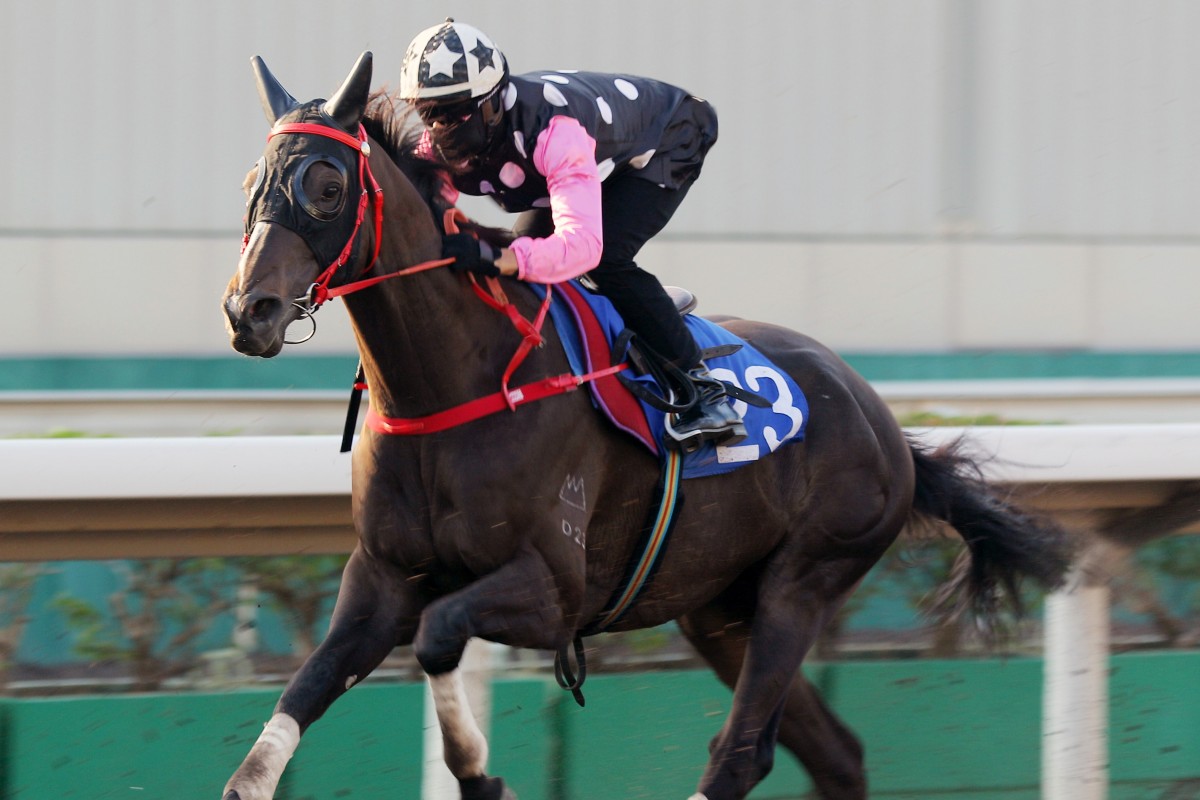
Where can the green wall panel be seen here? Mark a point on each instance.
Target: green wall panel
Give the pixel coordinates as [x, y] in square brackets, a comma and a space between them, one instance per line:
[642, 735]
[1154, 718]
[940, 725]
[524, 746]
[186, 746]
[954, 730]
[299, 371]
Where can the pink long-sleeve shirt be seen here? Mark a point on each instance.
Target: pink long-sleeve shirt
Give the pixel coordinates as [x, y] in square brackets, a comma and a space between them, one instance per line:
[565, 154]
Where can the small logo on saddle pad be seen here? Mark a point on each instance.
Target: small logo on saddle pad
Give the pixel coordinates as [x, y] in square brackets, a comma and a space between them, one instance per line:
[572, 492]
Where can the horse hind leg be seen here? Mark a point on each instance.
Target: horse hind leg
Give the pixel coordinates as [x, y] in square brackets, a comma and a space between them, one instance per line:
[780, 634]
[375, 612]
[829, 751]
[519, 604]
[802, 585]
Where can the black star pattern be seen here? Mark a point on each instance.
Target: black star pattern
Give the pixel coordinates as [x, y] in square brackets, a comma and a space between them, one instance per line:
[483, 54]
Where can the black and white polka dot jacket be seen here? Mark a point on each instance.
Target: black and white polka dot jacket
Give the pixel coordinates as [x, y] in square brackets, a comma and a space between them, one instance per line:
[642, 127]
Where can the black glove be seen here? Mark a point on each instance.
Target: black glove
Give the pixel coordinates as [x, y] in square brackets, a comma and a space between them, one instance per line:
[470, 254]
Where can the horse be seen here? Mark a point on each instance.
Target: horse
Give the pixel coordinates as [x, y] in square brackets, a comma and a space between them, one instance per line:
[461, 529]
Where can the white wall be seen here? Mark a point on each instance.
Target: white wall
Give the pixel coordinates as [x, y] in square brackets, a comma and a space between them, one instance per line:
[933, 174]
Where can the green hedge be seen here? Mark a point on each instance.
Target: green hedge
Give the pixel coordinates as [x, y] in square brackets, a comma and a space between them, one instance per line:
[950, 729]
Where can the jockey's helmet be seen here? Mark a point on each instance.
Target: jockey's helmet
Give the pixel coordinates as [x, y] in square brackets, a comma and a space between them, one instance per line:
[455, 76]
[451, 61]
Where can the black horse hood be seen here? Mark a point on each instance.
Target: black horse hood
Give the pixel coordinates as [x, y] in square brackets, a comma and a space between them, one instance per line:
[279, 196]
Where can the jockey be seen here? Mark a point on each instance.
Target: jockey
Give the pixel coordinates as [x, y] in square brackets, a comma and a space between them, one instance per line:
[595, 163]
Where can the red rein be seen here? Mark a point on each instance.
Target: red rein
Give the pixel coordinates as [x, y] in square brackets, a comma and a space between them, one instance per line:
[505, 398]
[529, 330]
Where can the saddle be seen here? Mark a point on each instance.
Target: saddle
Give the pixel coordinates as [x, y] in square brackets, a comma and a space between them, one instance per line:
[637, 400]
[685, 301]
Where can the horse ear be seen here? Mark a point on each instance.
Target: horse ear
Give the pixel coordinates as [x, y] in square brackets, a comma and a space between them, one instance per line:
[349, 103]
[275, 99]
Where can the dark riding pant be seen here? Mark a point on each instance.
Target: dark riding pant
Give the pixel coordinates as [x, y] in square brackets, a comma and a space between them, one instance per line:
[633, 211]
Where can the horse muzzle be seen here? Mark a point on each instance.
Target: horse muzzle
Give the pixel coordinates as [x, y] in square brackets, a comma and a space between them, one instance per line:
[256, 322]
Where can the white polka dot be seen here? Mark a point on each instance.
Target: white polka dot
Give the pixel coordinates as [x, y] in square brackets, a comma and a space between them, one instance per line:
[605, 110]
[486, 187]
[605, 168]
[553, 96]
[541, 202]
[637, 162]
[567, 71]
[511, 175]
[626, 88]
[519, 141]
[556, 78]
[510, 97]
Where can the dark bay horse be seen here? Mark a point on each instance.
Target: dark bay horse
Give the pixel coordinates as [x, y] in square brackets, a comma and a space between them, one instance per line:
[461, 531]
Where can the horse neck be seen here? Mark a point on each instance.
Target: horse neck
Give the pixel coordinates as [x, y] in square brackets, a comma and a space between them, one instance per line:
[426, 340]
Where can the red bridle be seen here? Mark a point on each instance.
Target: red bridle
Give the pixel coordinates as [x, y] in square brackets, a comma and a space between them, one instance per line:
[530, 331]
[320, 290]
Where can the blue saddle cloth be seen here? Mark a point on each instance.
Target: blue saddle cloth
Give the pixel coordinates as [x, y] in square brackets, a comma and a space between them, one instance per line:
[767, 429]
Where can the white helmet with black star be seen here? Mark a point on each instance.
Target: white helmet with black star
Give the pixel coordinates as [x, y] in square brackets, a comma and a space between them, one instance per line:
[451, 60]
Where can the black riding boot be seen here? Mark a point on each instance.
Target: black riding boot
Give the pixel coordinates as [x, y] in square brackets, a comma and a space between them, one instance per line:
[711, 417]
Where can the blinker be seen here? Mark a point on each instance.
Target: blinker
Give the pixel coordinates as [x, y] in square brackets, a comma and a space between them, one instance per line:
[282, 199]
[310, 204]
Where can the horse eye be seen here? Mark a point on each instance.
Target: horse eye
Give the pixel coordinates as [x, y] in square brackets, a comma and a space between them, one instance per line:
[320, 187]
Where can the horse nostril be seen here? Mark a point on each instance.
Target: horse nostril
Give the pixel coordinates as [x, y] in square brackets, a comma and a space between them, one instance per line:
[263, 309]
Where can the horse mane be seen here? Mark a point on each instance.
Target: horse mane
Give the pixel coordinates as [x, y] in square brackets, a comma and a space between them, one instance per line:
[394, 124]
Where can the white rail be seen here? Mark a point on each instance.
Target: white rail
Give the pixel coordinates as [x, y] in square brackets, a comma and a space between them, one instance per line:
[242, 466]
[284, 412]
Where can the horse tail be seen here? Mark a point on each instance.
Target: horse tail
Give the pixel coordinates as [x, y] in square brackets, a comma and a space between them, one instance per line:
[1004, 543]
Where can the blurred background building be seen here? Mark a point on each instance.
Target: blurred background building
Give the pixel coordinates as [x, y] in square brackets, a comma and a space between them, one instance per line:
[935, 188]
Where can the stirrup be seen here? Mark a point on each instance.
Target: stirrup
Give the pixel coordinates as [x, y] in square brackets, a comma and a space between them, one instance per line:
[684, 443]
[710, 394]
[692, 441]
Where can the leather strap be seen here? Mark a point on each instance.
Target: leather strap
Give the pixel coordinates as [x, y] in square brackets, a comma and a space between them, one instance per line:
[483, 406]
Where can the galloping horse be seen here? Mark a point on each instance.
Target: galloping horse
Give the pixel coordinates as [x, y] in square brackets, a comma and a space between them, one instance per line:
[461, 530]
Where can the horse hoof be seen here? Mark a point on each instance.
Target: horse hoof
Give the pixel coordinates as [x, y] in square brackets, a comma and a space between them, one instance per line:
[484, 788]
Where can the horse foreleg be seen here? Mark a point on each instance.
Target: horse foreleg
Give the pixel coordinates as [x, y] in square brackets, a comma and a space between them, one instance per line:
[519, 605]
[375, 612]
[464, 745]
[829, 751]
